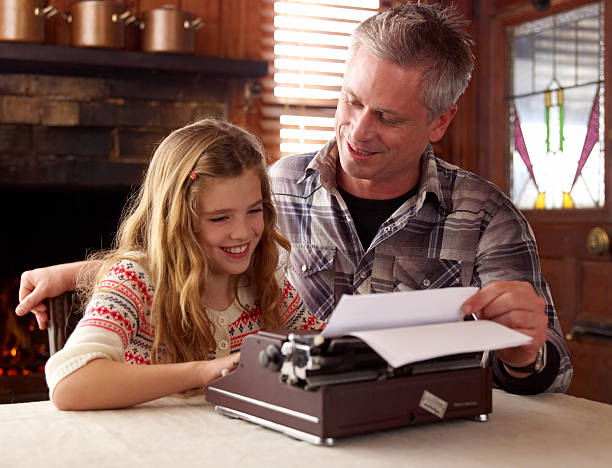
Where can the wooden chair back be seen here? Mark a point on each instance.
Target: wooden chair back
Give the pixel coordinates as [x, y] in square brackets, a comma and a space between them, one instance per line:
[64, 311]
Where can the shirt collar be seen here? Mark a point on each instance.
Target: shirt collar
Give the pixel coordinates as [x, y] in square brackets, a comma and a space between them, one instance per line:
[325, 163]
[429, 182]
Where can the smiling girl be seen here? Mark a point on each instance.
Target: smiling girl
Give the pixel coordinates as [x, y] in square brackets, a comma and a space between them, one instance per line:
[194, 270]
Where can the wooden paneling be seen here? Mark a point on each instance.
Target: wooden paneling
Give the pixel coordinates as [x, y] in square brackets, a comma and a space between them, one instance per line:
[592, 360]
[560, 275]
[596, 291]
[459, 143]
[208, 39]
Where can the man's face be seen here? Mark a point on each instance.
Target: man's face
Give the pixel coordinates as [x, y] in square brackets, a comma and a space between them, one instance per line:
[382, 127]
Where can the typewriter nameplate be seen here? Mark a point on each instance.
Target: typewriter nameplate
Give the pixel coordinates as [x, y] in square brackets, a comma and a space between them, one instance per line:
[433, 404]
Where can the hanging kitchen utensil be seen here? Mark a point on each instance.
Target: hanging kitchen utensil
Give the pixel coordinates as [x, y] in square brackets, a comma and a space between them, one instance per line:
[99, 23]
[167, 29]
[24, 20]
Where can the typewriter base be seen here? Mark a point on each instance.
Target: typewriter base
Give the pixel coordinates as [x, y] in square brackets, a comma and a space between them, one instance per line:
[294, 433]
[329, 412]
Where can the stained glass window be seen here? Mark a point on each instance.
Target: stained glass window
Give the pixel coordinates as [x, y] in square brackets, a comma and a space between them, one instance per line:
[556, 111]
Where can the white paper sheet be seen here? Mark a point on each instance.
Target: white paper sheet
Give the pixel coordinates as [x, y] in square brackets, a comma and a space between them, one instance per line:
[397, 309]
[401, 346]
[412, 326]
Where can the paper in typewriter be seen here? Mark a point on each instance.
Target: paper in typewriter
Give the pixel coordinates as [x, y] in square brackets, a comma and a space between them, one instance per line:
[412, 326]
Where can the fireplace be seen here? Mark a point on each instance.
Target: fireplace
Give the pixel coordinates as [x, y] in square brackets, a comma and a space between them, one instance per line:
[44, 227]
[74, 142]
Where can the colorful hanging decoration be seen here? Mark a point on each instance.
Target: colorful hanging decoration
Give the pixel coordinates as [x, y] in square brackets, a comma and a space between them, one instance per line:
[554, 120]
[592, 136]
[521, 147]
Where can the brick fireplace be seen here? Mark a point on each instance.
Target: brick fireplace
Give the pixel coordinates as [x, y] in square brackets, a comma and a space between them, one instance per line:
[74, 141]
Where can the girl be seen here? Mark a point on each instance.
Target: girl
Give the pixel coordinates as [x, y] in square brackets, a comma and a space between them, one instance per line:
[194, 270]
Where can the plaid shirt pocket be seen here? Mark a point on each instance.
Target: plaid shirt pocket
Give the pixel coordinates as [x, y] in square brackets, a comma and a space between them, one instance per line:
[425, 273]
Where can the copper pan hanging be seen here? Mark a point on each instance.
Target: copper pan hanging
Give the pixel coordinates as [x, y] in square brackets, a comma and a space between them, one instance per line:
[167, 29]
[24, 20]
[99, 23]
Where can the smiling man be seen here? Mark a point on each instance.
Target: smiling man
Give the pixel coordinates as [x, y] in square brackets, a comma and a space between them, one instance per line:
[376, 211]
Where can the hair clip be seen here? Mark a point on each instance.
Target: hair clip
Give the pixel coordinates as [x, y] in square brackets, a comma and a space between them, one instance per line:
[192, 175]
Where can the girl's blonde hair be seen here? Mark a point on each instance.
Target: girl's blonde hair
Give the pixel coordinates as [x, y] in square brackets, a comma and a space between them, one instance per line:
[162, 221]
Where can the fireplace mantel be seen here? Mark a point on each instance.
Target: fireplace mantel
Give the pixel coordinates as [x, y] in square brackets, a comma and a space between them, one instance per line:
[53, 59]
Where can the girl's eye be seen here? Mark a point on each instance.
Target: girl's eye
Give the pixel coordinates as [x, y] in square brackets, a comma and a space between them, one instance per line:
[256, 210]
[219, 219]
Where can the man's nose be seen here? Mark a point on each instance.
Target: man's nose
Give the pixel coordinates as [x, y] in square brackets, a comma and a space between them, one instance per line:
[361, 128]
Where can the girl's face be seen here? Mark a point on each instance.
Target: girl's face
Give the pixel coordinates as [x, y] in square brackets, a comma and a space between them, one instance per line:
[231, 222]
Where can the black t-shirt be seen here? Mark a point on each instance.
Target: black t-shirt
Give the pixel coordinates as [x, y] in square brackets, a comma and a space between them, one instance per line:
[368, 214]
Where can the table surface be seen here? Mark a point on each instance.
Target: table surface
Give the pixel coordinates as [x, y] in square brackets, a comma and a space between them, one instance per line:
[543, 430]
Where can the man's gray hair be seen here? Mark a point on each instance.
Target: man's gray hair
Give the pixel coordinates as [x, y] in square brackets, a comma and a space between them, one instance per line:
[427, 37]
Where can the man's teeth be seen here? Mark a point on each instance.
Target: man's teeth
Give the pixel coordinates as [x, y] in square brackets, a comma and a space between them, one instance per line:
[361, 153]
[235, 250]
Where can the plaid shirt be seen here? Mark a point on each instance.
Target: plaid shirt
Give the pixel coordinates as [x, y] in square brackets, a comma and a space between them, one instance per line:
[459, 230]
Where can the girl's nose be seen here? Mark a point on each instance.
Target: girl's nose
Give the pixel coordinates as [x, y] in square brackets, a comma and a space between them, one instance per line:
[241, 230]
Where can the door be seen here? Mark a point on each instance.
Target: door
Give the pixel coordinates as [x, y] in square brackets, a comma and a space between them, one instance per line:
[528, 158]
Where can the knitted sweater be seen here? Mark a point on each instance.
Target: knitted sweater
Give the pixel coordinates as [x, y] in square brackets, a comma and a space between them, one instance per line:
[117, 321]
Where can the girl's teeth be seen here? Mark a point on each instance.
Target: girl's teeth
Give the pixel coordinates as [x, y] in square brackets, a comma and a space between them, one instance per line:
[236, 250]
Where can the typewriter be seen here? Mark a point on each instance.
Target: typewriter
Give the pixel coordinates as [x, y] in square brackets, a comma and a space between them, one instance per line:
[320, 389]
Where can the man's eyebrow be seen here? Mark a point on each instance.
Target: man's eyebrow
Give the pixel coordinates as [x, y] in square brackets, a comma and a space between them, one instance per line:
[391, 112]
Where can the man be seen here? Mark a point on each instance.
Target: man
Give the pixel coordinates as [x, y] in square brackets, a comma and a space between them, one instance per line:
[376, 211]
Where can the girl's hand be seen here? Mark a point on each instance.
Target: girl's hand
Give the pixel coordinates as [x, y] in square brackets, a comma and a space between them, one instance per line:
[212, 370]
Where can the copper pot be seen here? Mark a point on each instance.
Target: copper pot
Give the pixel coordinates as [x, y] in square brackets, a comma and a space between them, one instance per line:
[167, 29]
[98, 23]
[24, 20]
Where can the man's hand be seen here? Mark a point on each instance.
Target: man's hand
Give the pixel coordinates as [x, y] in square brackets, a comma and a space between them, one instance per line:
[516, 305]
[41, 283]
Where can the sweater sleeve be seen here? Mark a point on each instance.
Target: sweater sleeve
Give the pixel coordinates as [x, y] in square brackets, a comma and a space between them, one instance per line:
[295, 314]
[111, 319]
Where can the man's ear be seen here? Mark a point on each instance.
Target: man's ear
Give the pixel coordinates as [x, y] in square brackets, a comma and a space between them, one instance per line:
[441, 123]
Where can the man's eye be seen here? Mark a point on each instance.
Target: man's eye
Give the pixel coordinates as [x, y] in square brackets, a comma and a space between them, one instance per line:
[390, 122]
[352, 103]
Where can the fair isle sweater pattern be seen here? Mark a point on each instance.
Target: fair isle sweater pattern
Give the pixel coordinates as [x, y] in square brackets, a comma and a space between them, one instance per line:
[123, 300]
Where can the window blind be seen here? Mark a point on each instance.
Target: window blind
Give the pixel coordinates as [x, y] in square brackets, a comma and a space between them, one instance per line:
[305, 43]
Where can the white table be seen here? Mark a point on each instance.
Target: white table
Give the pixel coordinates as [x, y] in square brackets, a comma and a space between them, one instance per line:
[545, 430]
